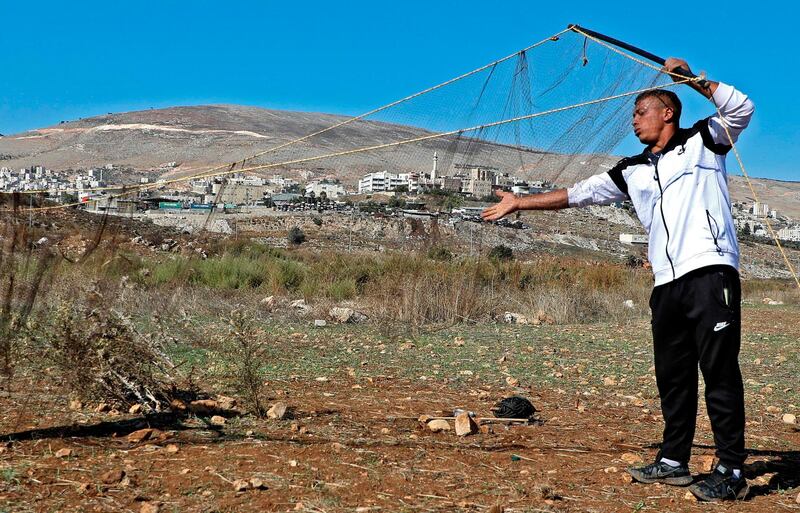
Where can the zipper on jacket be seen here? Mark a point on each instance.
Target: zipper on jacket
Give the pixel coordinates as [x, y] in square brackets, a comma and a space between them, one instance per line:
[663, 219]
[709, 218]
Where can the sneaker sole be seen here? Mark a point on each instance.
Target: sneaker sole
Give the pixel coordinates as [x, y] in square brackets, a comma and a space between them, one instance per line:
[672, 481]
[739, 496]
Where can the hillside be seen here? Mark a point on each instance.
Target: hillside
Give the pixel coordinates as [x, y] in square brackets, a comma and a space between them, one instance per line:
[199, 137]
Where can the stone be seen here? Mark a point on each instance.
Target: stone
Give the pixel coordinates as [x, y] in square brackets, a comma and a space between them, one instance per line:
[789, 418]
[320, 323]
[626, 478]
[150, 507]
[177, 405]
[257, 484]
[773, 409]
[102, 408]
[142, 435]
[346, 315]
[385, 431]
[465, 425]
[64, 453]
[75, 405]
[689, 496]
[497, 509]
[512, 382]
[438, 425]
[240, 485]
[797, 499]
[203, 406]
[611, 470]
[514, 318]
[112, 476]
[300, 305]
[225, 402]
[628, 303]
[277, 411]
[268, 302]
[135, 409]
[631, 458]
[217, 420]
[172, 448]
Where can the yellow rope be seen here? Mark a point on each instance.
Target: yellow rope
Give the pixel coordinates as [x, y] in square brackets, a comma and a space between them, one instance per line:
[755, 198]
[231, 166]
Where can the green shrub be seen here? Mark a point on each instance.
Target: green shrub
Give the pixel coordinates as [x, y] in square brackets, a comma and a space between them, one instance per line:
[296, 236]
[501, 253]
[439, 253]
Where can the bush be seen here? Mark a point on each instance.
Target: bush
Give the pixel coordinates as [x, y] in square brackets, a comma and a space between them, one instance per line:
[501, 253]
[243, 350]
[296, 236]
[317, 220]
[439, 253]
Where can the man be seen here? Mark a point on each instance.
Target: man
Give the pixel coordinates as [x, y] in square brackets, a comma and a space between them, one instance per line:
[678, 186]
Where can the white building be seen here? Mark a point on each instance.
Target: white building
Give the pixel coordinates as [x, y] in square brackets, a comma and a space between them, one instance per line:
[331, 190]
[760, 209]
[382, 181]
[789, 233]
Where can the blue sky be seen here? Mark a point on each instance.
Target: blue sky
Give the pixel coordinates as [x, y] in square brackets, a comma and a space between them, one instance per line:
[64, 60]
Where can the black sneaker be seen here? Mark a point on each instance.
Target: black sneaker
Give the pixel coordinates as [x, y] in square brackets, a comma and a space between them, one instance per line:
[660, 472]
[721, 485]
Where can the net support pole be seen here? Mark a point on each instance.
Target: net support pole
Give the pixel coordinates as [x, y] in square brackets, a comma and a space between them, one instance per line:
[633, 49]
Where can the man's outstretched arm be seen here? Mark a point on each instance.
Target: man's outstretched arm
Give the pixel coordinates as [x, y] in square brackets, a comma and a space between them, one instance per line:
[599, 189]
[510, 203]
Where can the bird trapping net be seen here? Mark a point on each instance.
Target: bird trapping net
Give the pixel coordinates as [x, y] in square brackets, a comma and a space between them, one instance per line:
[554, 111]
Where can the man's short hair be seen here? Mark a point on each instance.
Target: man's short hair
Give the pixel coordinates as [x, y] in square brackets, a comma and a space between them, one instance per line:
[668, 98]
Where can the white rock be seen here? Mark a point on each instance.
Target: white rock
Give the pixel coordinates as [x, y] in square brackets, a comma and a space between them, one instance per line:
[514, 318]
[320, 323]
[277, 411]
[346, 315]
[790, 418]
[439, 425]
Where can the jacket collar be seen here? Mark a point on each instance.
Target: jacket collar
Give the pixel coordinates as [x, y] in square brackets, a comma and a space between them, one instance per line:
[679, 138]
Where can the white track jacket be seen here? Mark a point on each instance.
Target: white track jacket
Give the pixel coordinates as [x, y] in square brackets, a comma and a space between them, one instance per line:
[680, 195]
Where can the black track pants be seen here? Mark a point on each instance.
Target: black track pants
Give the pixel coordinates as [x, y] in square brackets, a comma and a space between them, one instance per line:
[696, 321]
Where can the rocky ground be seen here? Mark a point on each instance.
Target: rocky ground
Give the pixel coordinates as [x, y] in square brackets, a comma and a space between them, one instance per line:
[351, 439]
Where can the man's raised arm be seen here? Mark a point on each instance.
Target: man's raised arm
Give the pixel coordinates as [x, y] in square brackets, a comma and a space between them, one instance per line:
[735, 108]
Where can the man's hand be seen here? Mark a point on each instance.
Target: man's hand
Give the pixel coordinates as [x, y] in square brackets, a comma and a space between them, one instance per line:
[675, 65]
[509, 204]
[680, 67]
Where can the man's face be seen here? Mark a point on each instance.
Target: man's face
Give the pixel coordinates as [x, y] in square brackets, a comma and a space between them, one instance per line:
[650, 117]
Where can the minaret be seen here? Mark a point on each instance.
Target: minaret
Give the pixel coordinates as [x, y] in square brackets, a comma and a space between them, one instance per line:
[435, 167]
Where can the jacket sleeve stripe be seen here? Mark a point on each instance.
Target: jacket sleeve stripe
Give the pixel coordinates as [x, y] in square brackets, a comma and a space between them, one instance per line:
[616, 176]
[708, 138]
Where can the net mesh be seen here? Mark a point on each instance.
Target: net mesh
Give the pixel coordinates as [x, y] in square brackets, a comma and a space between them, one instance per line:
[499, 118]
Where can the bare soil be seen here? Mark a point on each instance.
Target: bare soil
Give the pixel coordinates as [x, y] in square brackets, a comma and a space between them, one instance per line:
[354, 443]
